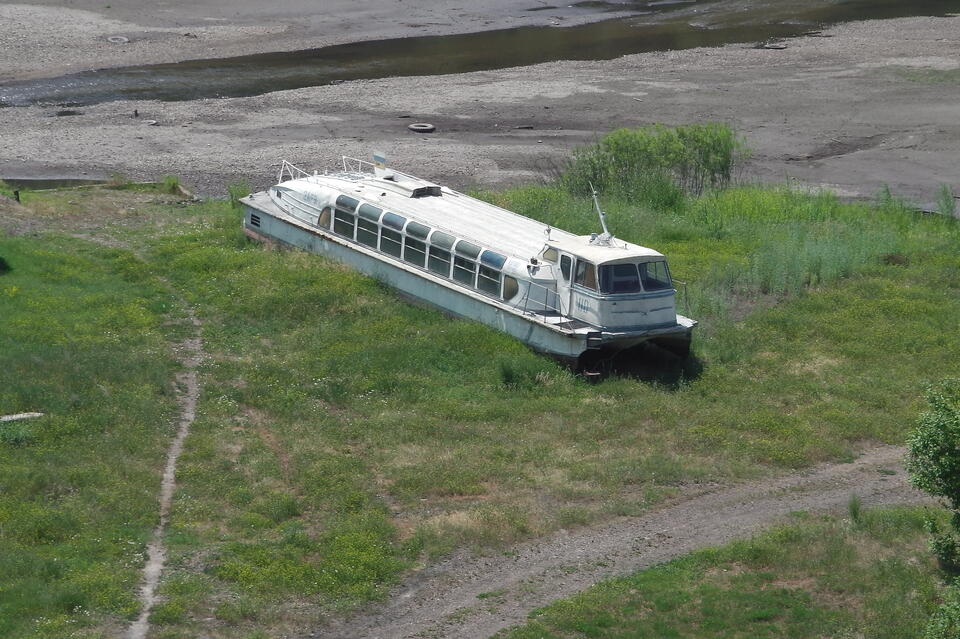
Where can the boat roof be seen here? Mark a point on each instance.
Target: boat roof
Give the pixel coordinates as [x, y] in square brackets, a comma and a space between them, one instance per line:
[480, 222]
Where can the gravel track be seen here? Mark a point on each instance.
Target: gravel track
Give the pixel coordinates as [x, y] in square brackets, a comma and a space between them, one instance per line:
[442, 600]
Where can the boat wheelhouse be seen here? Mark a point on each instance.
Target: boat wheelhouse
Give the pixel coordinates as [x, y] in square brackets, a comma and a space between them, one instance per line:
[578, 298]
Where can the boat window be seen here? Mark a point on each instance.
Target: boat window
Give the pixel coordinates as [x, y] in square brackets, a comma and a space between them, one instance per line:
[550, 255]
[465, 270]
[415, 252]
[468, 249]
[510, 287]
[418, 230]
[367, 232]
[493, 260]
[442, 240]
[343, 223]
[488, 280]
[394, 221]
[439, 261]
[619, 278]
[324, 220]
[390, 242]
[347, 202]
[586, 275]
[565, 265]
[655, 276]
[370, 212]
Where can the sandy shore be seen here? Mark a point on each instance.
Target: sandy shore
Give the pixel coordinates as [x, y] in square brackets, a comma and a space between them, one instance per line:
[874, 103]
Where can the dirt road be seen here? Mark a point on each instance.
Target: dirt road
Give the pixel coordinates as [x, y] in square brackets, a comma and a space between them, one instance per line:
[443, 600]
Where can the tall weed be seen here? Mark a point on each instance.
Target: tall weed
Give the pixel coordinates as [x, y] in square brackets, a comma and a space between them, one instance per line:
[657, 165]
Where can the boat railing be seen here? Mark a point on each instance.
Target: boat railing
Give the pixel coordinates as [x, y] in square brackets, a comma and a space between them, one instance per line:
[356, 165]
[538, 300]
[290, 171]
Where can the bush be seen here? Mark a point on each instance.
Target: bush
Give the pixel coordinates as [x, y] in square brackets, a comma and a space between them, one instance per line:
[657, 164]
[945, 622]
[934, 447]
[170, 184]
[4, 266]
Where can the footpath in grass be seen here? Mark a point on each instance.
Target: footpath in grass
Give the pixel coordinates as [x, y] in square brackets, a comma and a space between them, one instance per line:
[870, 575]
[84, 339]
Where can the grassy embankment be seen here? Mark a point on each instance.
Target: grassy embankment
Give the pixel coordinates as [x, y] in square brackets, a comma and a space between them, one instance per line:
[867, 576]
[344, 435]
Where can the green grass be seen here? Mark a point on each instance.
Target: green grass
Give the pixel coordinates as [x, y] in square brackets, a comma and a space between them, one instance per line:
[345, 435]
[83, 341]
[818, 577]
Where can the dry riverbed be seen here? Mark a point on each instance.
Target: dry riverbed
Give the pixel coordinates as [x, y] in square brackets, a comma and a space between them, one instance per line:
[872, 103]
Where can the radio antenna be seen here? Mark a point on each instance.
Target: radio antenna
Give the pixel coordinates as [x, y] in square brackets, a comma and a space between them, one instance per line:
[605, 237]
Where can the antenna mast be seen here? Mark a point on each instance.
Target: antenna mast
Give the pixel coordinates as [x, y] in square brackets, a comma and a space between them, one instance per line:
[605, 237]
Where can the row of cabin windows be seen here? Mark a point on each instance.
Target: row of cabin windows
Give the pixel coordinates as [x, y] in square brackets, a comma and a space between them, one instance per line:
[614, 278]
[435, 251]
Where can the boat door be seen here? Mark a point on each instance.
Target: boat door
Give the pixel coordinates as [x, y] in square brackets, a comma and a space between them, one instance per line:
[564, 281]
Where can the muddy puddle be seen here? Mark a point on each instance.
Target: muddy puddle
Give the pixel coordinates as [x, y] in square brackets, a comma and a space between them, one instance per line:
[653, 26]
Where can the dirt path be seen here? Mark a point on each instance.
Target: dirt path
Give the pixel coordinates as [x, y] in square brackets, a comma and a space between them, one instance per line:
[190, 353]
[442, 600]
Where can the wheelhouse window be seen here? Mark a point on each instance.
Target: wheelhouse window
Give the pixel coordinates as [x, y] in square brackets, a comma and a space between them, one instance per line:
[344, 223]
[464, 264]
[655, 276]
[367, 227]
[619, 278]
[586, 275]
[566, 265]
[550, 255]
[489, 276]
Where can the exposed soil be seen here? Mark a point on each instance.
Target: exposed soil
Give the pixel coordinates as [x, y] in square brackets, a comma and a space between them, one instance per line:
[187, 386]
[444, 600]
[873, 104]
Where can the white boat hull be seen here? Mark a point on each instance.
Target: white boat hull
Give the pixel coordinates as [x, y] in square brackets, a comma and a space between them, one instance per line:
[556, 336]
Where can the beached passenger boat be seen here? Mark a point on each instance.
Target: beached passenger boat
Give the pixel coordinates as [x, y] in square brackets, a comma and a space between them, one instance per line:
[579, 298]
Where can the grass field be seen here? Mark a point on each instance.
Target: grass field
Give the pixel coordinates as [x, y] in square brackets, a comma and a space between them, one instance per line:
[817, 577]
[345, 436]
[83, 340]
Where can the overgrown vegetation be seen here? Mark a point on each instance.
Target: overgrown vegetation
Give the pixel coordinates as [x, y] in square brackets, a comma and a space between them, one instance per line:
[344, 435]
[946, 202]
[818, 577]
[657, 163]
[170, 184]
[934, 465]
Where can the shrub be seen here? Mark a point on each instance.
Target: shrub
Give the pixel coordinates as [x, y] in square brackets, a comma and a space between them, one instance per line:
[945, 622]
[657, 164]
[934, 447]
[170, 184]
